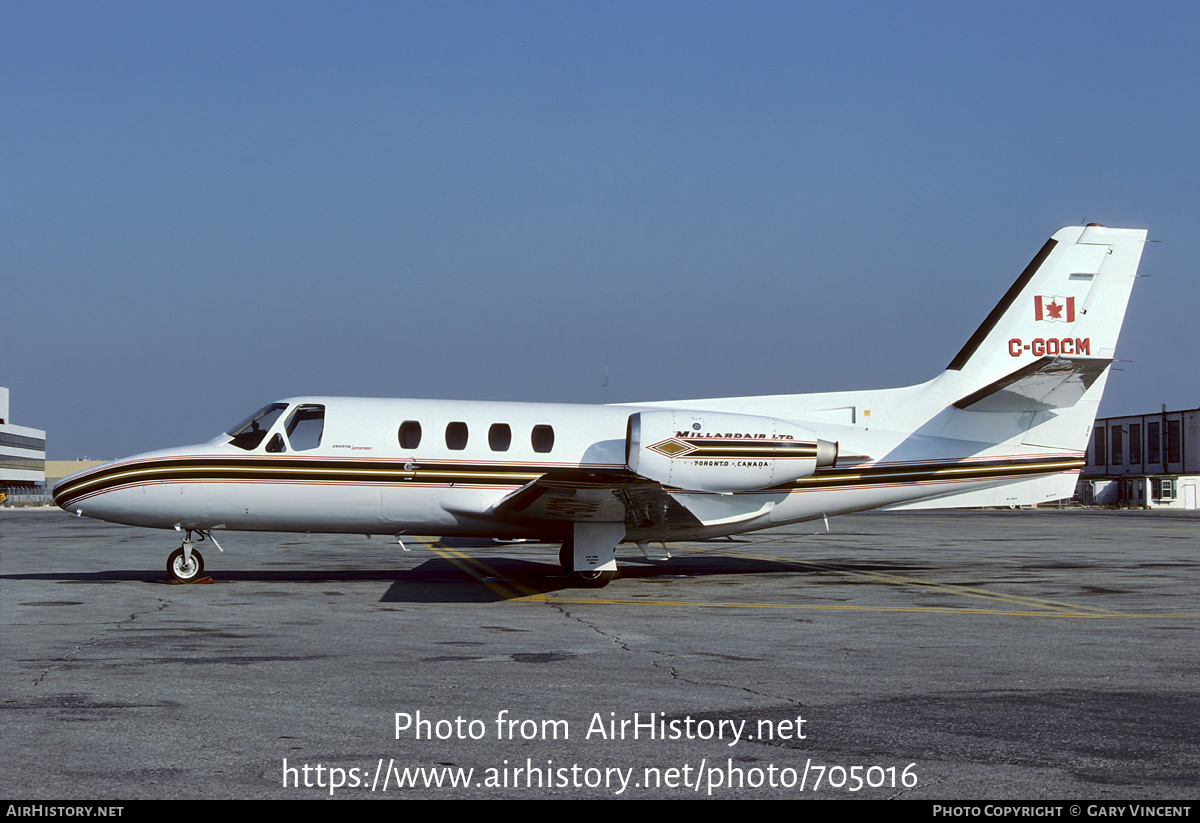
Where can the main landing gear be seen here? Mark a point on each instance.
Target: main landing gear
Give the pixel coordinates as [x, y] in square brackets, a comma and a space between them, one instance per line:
[586, 557]
[185, 564]
[584, 579]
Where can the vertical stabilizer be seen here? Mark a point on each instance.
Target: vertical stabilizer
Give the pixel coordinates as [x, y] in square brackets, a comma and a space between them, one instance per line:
[1068, 302]
[1031, 377]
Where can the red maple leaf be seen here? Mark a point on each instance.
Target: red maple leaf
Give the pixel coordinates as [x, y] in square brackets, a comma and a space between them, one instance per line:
[1054, 310]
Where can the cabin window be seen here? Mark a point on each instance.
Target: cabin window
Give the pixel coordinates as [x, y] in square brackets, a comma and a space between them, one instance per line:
[410, 434]
[456, 436]
[251, 431]
[543, 439]
[305, 427]
[499, 437]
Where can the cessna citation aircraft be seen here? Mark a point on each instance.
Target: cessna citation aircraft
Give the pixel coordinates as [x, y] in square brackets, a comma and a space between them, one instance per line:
[1006, 423]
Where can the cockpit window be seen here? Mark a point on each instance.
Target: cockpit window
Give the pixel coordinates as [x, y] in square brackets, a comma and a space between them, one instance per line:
[305, 427]
[250, 432]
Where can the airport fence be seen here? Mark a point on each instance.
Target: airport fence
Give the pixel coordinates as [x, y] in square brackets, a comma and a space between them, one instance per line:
[16, 500]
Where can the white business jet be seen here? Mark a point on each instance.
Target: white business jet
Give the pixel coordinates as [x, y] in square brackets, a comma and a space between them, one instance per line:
[1007, 423]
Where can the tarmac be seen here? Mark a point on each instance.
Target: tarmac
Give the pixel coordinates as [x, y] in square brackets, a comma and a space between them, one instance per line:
[973, 655]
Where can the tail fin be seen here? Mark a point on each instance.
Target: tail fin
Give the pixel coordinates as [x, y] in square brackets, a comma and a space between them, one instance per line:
[1068, 302]
[1030, 379]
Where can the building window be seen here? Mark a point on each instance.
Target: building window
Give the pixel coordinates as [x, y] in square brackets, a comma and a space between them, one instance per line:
[543, 439]
[1163, 488]
[18, 441]
[1174, 442]
[25, 464]
[410, 434]
[1101, 453]
[1116, 445]
[456, 436]
[499, 437]
[1135, 444]
[1153, 443]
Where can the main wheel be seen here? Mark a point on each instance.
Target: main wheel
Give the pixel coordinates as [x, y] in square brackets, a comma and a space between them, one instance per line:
[584, 579]
[183, 571]
[591, 579]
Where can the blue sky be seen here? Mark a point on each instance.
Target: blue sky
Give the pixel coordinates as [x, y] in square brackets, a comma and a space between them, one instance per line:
[208, 206]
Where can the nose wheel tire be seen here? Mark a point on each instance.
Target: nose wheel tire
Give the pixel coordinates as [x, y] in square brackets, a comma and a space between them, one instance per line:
[182, 571]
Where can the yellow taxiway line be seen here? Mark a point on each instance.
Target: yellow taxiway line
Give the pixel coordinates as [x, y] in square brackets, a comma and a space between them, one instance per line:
[509, 589]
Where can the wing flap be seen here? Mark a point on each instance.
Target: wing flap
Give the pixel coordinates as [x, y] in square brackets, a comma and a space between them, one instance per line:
[572, 497]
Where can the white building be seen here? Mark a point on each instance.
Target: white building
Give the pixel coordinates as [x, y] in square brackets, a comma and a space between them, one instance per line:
[22, 456]
[1147, 460]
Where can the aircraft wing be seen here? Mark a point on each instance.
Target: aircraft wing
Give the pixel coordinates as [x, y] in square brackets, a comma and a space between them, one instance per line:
[1048, 383]
[572, 496]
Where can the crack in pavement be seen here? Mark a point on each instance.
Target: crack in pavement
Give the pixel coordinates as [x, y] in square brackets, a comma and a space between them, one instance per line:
[94, 640]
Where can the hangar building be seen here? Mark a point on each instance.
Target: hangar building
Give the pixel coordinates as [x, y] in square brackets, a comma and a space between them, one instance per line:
[1147, 460]
[22, 456]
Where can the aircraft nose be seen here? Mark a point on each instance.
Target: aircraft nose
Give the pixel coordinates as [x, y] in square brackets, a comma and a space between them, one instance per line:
[73, 491]
[58, 493]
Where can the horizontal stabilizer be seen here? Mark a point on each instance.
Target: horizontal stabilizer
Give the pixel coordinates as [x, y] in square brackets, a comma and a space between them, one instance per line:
[1048, 383]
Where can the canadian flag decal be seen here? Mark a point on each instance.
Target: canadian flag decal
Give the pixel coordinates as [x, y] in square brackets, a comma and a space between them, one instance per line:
[1056, 309]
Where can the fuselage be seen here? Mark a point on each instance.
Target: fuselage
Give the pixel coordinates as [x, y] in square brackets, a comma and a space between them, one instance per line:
[376, 466]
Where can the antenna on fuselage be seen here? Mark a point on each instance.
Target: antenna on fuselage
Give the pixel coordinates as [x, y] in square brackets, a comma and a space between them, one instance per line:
[606, 375]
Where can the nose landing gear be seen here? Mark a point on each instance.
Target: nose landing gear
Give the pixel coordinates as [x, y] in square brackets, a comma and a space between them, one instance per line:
[185, 569]
[185, 564]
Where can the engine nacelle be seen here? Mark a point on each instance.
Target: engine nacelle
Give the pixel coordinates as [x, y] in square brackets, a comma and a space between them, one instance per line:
[722, 452]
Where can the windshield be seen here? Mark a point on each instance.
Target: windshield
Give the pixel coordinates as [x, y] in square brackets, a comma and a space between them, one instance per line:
[250, 432]
[305, 427]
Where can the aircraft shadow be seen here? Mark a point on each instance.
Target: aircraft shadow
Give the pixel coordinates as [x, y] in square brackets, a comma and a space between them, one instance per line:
[518, 577]
[438, 580]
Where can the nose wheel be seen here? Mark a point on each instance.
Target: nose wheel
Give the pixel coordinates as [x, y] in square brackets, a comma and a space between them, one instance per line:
[185, 564]
[183, 569]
